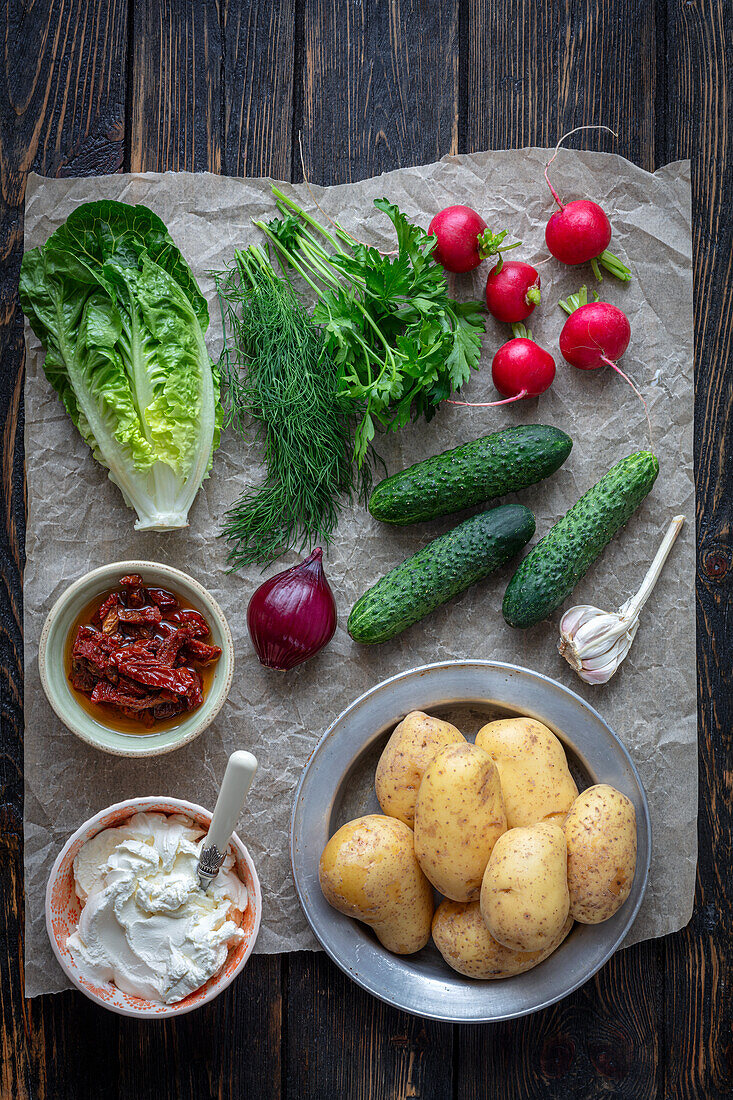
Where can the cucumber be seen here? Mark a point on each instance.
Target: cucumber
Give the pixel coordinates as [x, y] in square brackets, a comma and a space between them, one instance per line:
[554, 566]
[442, 569]
[488, 467]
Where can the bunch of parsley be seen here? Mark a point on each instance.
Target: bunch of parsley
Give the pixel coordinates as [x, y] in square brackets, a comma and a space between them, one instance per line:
[402, 345]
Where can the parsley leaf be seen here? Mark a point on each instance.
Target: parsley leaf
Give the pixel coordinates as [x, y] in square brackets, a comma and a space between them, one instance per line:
[402, 344]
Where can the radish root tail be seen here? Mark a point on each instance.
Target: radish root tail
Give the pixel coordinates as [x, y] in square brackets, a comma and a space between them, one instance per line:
[570, 133]
[490, 404]
[617, 368]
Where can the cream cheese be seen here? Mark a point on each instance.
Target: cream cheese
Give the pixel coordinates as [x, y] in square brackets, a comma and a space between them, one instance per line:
[146, 924]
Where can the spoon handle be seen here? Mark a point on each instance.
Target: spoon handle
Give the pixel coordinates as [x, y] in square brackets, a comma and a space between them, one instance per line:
[240, 772]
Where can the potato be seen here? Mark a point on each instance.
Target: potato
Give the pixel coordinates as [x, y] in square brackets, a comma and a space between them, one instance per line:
[464, 941]
[414, 743]
[368, 870]
[459, 816]
[524, 893]
[535, 778]
[600, 831]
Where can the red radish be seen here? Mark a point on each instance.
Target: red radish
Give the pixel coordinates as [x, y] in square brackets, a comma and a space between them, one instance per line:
[579, 231]
[596, 333]
[512, 290]
[464, 239]
[520, 368]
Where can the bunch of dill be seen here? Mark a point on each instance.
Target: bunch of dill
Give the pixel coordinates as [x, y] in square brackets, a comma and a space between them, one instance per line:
[278, 373]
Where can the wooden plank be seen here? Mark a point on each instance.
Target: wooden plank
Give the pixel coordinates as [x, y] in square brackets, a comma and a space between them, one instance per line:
[193, 96]
[61, 113]
[551, 67]
[378, 87]
[698, 963]
[175, 87]
[536, 70]
[343, 1043]
[603, 1040]
[257, 79]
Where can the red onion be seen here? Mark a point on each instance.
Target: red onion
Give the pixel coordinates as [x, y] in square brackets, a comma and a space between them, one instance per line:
[293, 615]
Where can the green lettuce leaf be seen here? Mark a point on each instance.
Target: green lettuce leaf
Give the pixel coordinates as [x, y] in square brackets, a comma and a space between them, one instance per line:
[122, 321]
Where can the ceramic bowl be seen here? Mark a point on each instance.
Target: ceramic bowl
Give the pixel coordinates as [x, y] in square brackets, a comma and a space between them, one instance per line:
[52, 664]
[337, 785]
[63, 910]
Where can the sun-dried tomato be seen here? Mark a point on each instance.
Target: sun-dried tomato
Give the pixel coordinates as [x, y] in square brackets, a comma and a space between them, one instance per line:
[169, 647]
[169, 710]
[145, 717]
[82, 678]
[131, 580]
[134, 616]
[178, 680]
[138, 654]
[189, 618]
[201, 652]
[166, 601]
[93, 647]
[136, 597]
[112, 601]
[195, 696]
[106, 693]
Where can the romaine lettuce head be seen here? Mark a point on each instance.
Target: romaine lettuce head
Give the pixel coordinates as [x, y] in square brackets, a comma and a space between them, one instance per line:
[122, 321]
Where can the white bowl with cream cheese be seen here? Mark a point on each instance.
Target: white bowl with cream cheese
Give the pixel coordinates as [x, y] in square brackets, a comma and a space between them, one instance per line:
[127, 920]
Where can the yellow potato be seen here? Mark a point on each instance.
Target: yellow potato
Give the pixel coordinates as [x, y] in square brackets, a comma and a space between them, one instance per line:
[466, 944]
[535, 778]
[368, 870]
[415, 742]
[600, 831]
[459, 816]
[524, 894]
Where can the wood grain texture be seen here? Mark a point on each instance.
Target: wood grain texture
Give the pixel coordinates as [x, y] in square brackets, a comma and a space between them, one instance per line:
[378, 87]
[176, 93]
[257, 75]
[343, 1043]
[61, 112]
[373, 85]
[555, 66]
[536, 70]
[602, 1040]
[697, 962]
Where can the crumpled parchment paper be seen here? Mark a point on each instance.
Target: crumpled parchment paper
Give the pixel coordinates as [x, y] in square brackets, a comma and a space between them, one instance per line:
[77, 521]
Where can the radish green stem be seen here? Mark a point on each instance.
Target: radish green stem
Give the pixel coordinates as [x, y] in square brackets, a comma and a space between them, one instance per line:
[575, 301]
[490, 244]
[614, 266]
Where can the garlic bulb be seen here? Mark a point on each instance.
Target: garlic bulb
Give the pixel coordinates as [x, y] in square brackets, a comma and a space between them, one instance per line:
[595, 642]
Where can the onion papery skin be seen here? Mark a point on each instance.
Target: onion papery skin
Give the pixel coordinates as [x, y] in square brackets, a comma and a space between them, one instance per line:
[292, 616]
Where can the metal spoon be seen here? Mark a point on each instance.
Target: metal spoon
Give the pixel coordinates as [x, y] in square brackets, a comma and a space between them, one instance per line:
[238, 776]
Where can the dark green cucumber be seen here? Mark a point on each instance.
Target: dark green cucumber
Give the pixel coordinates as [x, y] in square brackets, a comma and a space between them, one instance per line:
[500, 463]
[442, 569]
[554, 566]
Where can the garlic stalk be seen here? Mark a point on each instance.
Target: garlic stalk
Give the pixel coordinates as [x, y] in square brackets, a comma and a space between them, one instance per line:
[595, 642]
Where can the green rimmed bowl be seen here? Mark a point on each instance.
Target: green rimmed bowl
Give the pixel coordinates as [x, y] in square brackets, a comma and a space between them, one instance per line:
[52, 660]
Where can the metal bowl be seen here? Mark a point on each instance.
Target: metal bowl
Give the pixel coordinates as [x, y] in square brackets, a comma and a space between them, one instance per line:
[338, 785]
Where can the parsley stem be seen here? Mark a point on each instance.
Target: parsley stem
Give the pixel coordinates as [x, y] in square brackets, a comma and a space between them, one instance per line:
[283, 198]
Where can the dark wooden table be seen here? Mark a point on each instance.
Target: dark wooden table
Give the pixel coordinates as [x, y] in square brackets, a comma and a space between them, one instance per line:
[93, 87]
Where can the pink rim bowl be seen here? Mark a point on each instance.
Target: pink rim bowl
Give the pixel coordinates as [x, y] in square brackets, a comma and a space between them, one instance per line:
[63, 910]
